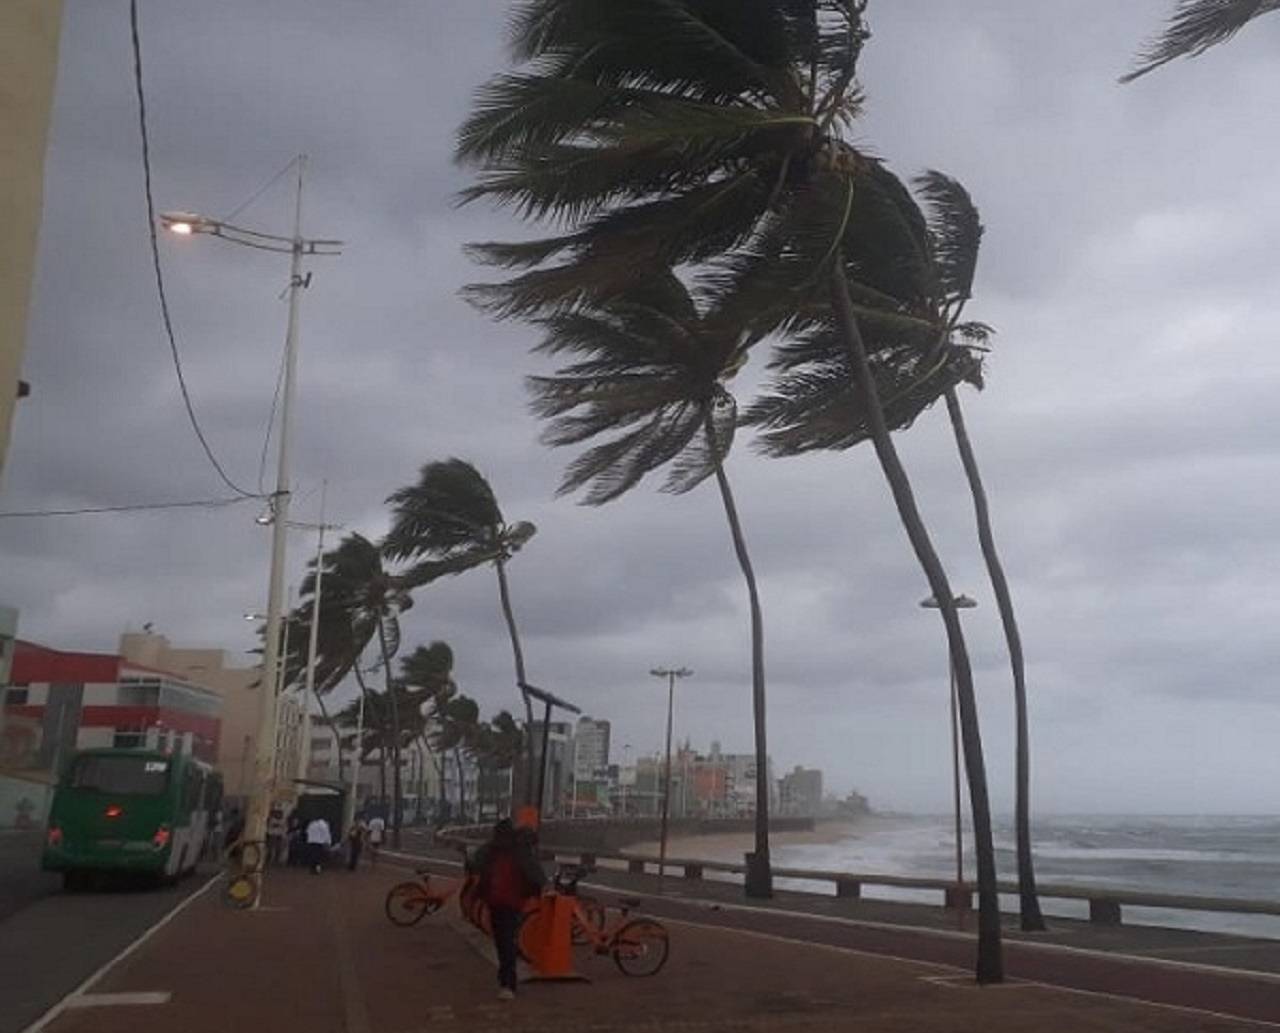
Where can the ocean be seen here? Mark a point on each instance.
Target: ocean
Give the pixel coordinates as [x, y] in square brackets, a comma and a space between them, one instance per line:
[1198, 855]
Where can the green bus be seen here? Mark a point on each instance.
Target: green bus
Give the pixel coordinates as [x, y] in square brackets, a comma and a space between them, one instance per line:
[140, 811]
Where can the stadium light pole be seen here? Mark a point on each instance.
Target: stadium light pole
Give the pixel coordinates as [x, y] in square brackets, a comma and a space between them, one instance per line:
[961, 602]
[671, 674]
[185, 224]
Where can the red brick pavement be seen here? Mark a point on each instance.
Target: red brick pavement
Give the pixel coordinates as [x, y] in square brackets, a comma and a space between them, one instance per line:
[320, 957]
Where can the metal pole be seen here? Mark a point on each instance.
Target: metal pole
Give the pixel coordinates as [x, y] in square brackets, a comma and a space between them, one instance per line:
[666, 782]
[542, 766]
[264, 769]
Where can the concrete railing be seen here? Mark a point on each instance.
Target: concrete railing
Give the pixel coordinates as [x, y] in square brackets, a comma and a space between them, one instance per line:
[1106, 904]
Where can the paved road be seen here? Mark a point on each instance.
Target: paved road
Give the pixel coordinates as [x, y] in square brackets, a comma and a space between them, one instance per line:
[51, 941]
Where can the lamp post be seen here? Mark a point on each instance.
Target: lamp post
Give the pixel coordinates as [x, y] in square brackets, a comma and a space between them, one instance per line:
[626, 763]
[961, 602]
[671, 674]
[186, 224]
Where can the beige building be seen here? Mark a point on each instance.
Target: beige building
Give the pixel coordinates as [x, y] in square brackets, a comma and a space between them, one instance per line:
[240, 694]
[28, 62]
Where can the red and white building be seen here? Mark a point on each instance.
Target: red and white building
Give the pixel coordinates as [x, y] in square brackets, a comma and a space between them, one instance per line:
[59, 701]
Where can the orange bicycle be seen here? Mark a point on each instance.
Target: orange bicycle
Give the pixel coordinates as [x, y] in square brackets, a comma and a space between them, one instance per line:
[409, 902]
[638, 946]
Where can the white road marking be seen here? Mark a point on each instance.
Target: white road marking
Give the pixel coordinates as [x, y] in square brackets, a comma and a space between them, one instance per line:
[173, 913]
[110, 1000]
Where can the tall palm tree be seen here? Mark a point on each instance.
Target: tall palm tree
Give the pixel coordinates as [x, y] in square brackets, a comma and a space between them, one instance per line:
[811, 405]
[651, 375]
[1194, 27]
[660, 133]
[361, 602]
[450, 521]
[427, 673]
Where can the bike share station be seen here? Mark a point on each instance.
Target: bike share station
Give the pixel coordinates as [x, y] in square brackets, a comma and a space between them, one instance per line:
[559, 919]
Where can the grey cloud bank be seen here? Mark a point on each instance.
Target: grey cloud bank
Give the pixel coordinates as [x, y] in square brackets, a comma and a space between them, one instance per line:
[1127, 433]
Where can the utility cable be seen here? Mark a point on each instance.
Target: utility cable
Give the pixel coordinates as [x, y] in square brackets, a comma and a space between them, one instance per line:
[260, 191]
[136, 508]
[155, 256]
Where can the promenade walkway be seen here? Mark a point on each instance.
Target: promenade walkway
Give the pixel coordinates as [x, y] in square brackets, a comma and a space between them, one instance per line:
[320, 957]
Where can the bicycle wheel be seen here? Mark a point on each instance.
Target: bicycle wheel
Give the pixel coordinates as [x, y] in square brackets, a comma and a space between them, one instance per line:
[588, 919]
[640, 948]
[407, 903]
[241, 892]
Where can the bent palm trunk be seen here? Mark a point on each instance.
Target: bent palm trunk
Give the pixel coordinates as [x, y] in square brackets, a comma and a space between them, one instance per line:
[759, 880]
[504, 592]
[990, 967]
[1029, 902]
[395, 736]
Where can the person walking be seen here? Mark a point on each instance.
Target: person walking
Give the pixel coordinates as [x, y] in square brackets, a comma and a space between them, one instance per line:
[319, 839]
[355, 843]
[376, 831]
[509, 875]
[277, 831]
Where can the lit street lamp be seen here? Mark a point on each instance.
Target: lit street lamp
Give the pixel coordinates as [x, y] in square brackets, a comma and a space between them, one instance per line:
[961, 602]
[186, 224]
[671, 674]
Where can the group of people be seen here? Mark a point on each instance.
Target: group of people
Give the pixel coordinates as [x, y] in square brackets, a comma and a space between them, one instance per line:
[293, 841]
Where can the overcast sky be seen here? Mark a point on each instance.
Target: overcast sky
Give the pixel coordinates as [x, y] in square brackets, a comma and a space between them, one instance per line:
[1128, 432]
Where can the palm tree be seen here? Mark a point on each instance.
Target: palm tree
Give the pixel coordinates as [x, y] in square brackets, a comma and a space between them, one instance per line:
[427, 674]
[361, 601]
[496, 747]
[450, 521]
[1195, 26]
[651, 374]
[811, 406]
[661, 133]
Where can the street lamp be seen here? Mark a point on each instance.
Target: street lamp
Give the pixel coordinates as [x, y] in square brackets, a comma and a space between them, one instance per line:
[186, 224]
[671, 674]
[960, 602]
[626, 763]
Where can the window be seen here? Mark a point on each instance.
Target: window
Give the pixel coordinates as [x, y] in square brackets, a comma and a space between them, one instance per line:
[139, 776]
[133, 695]
[16, 697]
[129, 739]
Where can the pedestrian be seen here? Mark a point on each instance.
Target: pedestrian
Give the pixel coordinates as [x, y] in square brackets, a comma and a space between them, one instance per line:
[355, 843]
[319, 839]
[509, 875]
[277, 832]
[296, 837]
[377, 829]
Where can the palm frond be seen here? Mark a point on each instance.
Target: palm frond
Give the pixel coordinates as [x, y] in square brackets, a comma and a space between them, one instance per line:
[1195, 26]
[955, 230]
[451, 508]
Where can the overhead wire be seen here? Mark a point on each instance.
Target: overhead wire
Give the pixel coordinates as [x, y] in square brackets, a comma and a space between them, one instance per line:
[260, 191]
[271, 420]
[133, 508]
[155, 259]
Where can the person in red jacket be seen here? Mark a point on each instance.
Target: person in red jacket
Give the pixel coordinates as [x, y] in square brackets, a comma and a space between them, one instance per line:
[509, 875]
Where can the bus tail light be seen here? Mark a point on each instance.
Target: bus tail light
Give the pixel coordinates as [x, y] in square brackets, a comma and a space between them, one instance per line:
[54, 837]
[114, 810]
[161, 839]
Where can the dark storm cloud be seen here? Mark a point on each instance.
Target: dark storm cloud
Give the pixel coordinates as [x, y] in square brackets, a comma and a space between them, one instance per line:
[1127, 432]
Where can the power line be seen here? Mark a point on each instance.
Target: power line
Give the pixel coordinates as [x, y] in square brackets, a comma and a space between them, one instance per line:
[155, 256]
[260, 191]
[135, 508]
[271, 420]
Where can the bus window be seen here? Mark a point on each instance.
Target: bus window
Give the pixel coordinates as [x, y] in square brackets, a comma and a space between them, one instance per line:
[139, 776]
